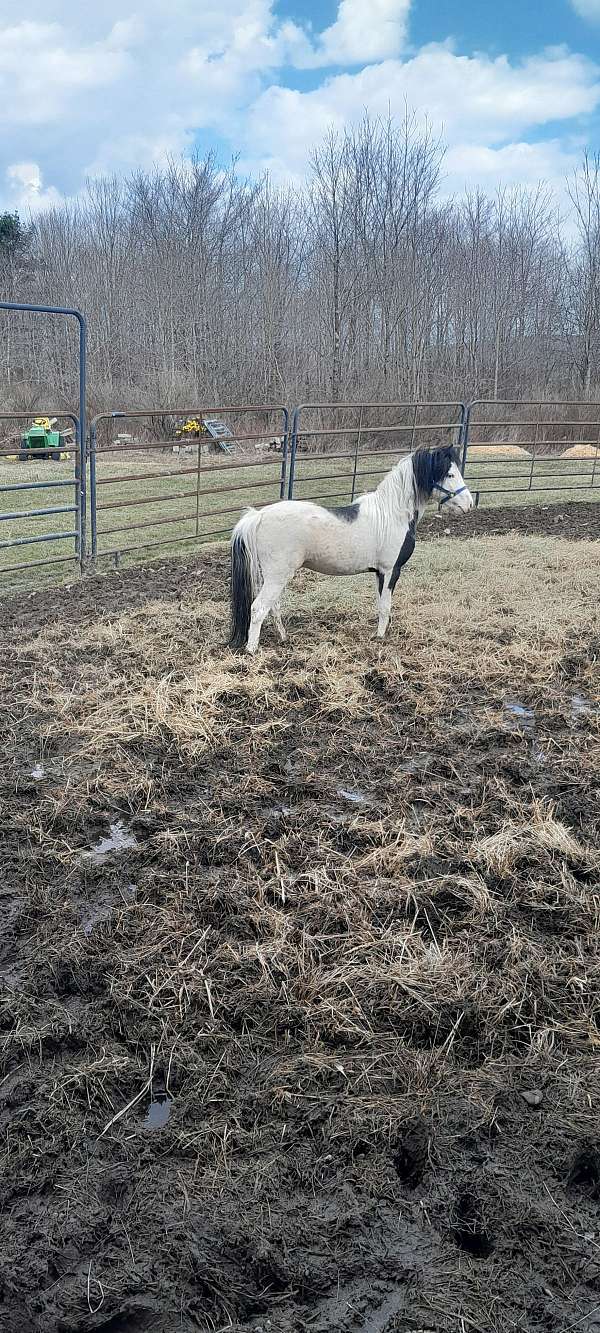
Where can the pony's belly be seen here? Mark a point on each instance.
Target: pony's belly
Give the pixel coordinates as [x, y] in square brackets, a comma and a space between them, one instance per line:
[334, 564]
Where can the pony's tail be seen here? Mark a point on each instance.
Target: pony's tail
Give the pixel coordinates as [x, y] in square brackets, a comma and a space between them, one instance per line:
[245, 576]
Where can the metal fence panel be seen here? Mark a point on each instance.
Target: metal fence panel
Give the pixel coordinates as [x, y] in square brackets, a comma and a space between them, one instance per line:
[26, 523]
[515, 447]
[157, 498]
[331, 442]
[69, 312]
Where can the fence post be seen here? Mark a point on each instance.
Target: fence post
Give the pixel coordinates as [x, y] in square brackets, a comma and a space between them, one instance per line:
[93, 515]
[356, 453]
[464, 433]
[80, 490]
[293, 446]
[284, 453]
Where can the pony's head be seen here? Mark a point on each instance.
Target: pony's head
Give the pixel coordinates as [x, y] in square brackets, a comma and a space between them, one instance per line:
[438, 477]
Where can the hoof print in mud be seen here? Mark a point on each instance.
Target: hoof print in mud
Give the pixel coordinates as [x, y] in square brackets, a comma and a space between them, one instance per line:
[468, 1227]
[411, 1154]
[584, 1170]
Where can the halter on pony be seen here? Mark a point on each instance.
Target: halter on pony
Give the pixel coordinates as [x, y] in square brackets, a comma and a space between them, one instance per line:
[448, 495]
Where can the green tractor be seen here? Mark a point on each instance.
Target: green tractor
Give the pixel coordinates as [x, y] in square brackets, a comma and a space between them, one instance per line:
[42, 441]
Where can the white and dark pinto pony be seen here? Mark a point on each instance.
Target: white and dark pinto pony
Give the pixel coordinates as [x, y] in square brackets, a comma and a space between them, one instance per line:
[376, 533]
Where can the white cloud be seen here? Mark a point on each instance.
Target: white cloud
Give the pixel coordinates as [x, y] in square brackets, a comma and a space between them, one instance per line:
[41, 68]
[474, 100]
[469, 166]
[587, 9]
[89, 89]
[365, 30]
[25, 189]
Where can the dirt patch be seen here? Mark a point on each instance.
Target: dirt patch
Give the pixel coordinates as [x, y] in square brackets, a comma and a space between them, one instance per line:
[267, 1055]
[572, 520]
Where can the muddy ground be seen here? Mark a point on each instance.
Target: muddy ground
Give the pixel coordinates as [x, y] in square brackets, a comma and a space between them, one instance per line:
[299, 1018]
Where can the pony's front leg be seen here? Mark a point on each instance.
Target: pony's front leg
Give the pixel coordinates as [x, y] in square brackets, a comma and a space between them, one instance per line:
[385, 605]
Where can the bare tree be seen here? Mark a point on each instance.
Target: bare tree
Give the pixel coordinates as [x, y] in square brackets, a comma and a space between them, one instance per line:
[360, 283]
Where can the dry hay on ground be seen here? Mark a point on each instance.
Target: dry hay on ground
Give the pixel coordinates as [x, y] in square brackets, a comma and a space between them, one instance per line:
[356, 946]
[483, 451]
[581, 451]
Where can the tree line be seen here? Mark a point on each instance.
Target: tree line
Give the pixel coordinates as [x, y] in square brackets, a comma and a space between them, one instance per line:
[364, 281]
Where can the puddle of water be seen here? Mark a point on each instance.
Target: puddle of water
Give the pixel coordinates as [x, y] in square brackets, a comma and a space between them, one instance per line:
[525, 715]
[38, 771]
[580, 706]
[120, 838]
[104, 907]
[11, 975]
[356, 796]
[158, 1113]
[417, 766]
[94, 918]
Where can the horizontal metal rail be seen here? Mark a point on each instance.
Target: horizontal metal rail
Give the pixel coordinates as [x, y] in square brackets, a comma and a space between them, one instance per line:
[126, 478]
[523, 490]
[37, 449]
[520, 425]
[41, 537]
[308, 431]
[35, 485]
[37, 513]
[382, 406]
[118, 551]
[184, 517]
[369, 453]
[146, 500]
[35, 564]
[575, 473]
[140, 446]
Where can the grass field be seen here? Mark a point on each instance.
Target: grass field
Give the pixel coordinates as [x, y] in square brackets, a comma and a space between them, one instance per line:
[172, 507]
[310, 1040]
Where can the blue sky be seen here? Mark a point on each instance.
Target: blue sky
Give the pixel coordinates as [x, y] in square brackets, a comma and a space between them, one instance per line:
[514, 88]
[515, 27]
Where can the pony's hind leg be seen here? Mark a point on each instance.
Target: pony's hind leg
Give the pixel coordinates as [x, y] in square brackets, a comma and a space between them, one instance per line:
[267, 600]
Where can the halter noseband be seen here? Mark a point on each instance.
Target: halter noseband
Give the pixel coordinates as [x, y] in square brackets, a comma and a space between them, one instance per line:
[448, 495]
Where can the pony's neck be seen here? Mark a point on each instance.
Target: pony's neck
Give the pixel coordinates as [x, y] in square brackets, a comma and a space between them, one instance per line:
[397, 493]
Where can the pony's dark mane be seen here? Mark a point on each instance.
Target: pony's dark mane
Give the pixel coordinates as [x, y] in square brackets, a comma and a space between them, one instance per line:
[431, 466]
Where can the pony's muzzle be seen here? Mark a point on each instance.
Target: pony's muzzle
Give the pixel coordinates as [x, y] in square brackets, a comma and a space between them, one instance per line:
[459, 504]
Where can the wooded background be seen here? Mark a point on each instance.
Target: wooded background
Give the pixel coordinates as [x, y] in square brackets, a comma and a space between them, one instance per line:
[363, 282]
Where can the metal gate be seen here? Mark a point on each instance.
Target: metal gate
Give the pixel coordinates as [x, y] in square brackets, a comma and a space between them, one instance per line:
[26, 479]
[511, 448]
[332, 443]
[22, 525]
[151, 489]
